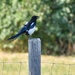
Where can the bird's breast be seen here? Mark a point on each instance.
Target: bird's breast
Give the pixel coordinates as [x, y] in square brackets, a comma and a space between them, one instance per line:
[31, 31]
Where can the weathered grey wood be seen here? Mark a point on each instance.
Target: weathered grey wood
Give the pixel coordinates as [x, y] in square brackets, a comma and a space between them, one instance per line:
[34, 46]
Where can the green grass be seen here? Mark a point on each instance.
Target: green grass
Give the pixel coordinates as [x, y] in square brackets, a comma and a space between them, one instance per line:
[57, 69]
[13, 68]
[46, 69]
[14, 64]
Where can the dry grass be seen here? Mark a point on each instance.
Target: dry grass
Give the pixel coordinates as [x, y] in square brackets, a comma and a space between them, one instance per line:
[46, 68]
[23, 57]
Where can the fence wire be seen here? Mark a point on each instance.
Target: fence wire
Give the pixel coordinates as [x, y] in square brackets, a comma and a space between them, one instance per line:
[47, 68]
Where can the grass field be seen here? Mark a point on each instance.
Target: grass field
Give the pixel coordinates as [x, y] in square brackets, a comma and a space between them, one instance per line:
[17, 64]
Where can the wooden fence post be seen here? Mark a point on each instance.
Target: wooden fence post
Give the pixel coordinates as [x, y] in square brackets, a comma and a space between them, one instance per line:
[34, 48]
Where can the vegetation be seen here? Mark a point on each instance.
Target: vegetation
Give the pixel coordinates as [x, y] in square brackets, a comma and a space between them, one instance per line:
[55, 26]
[51, 65]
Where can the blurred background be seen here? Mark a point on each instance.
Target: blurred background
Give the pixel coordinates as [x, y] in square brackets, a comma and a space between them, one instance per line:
[55, 27]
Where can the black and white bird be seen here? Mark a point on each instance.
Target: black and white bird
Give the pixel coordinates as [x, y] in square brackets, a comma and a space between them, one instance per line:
[28, 28]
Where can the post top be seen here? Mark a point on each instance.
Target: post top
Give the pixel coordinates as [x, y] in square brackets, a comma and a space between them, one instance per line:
[38, 39]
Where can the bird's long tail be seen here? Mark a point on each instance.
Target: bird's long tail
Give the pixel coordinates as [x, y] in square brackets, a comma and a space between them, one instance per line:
[15, 36]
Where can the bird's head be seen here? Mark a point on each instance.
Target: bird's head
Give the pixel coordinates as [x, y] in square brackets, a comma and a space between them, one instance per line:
[35, 17]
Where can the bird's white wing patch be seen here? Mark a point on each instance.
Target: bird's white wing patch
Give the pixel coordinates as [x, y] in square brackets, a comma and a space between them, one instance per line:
[31, 31]
[32, 23]
[26, 23]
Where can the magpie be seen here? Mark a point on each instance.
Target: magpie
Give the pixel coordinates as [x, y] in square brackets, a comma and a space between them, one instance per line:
[28, 28]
